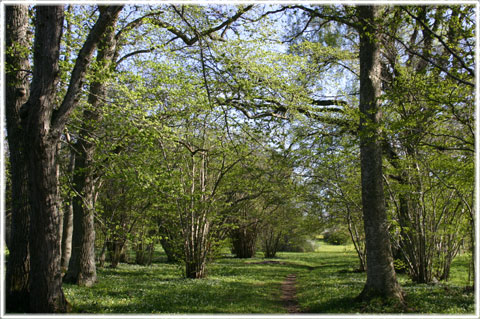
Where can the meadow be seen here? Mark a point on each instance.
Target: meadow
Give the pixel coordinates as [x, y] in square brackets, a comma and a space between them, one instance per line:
[326, 283]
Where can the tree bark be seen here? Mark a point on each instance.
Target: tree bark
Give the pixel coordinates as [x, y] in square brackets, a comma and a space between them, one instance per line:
[44, 124]
[67, 225]
[381, 278]
[45, 283]
[82, 269]
[16, 93]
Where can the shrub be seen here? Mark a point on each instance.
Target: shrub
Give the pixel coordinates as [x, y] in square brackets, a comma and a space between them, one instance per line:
[400, 266]
[336, 237]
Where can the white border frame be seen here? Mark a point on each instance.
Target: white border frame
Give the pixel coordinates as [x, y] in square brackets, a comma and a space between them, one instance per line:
[234, 2]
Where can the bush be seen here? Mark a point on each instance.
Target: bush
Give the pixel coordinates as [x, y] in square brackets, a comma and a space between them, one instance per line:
[296, 244]
[336, 238]
[400, 266]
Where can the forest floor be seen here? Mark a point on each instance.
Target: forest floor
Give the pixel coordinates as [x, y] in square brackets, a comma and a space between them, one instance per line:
[325, 282]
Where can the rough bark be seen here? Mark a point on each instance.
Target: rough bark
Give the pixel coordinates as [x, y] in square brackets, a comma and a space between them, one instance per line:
[44, 124]
[45, 282]
[381, 278]
[16, 94]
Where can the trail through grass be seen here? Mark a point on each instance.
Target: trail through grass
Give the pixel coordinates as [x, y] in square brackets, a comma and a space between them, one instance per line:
[325, 283]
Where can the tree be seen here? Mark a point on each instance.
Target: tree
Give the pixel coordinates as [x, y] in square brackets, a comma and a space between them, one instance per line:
[431, 121]
[81, 269]
[381, 278]
[17, 92]
[332, 178]
[82, 266]
[43, 124]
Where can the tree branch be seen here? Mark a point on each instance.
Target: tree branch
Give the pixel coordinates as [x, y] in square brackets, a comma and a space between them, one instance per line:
[439, 38]
[108, 16]
[190, 41]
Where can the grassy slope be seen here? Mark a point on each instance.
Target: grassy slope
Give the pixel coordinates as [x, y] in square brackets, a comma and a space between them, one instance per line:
[326, 284]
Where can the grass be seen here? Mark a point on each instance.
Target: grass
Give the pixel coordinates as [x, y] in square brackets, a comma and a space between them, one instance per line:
[332, 286]
[231, 287]
[326, 283]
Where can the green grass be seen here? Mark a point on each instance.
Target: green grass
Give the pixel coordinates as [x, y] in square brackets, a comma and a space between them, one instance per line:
[332, 286]
[326, 283]
[231, 287]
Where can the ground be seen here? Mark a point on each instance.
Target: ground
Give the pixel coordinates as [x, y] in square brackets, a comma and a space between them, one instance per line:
[324, 281]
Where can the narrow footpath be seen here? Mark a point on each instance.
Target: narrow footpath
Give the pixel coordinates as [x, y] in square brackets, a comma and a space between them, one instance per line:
[289, 294]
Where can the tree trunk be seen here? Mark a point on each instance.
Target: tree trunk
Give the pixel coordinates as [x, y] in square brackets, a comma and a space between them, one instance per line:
[67, 237]
[67, 225]
[115, 249]
[172, 249]
[17, 87]
[244, 240]
[140, 254]
[381, 278]
[82, 269]
[196, 269]
[102, 256]
[270, 242]
[44, 125]
[143, 253]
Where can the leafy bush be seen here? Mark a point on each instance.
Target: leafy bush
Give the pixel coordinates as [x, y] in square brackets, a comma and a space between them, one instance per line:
[400, 266]
[336, 237]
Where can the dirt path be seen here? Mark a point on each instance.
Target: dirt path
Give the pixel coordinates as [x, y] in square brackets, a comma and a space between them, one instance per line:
[289, 292]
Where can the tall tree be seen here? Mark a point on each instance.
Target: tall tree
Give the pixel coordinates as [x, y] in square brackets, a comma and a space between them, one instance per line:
[81, 269]
[381, 278]
[17, 90]
[44, 122]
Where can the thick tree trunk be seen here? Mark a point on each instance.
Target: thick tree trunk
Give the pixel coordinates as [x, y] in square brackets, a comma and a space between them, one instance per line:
[46, 280]
[44, 124]
[381, 278]
[17, 87]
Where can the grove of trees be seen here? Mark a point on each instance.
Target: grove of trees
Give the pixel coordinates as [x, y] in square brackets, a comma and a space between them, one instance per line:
[248, 126]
